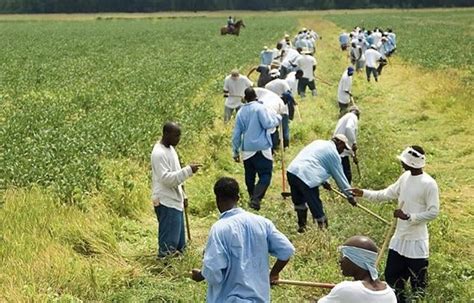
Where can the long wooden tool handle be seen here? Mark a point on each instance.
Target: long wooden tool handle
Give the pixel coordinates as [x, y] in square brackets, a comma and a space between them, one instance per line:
[282, 150]
[188, 228]
[388, 236]
[363, 208]
[303, 283]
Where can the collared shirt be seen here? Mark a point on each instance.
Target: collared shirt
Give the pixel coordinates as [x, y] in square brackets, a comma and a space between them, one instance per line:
[167, 177]
[420, 198]
[235, 262]
[347, 126]
[252, 128]
[317, 162]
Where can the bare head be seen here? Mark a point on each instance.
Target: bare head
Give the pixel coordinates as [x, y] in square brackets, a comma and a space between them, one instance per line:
[250, 94]
[171, 134]
[227, 193]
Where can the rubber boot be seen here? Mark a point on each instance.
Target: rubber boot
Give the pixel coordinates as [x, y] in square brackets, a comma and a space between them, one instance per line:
[258, 194]
[302, 215]
[324, 224]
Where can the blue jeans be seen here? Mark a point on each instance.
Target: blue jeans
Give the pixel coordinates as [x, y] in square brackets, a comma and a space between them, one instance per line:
[171, 236]
[302, 195]
[260, 165]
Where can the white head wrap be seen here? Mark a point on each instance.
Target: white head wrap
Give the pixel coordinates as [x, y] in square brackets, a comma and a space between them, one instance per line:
[363, 258]
[412, 158]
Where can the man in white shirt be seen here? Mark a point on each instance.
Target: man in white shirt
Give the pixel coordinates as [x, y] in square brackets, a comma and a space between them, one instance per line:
[347, 126]
[280, 87]
[307, 64]
[234, 87]
[167, 195]
[372, 57]
[418, 203]
[344, 90]
[358, 256]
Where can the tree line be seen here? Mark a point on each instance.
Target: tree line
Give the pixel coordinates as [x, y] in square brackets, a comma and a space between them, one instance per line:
[90, 6]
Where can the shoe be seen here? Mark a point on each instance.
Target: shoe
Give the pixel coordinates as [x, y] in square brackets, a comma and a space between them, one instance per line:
[302, 215]
[323, 225]
[254, 206]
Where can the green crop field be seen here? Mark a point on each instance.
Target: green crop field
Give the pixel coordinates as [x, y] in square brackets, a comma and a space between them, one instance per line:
[82, 101]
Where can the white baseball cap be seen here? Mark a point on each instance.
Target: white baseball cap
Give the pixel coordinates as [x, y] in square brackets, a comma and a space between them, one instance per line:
[344, 139]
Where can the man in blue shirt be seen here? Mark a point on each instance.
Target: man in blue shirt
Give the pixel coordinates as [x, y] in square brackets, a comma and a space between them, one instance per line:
[311, 168]
[252, 133]
[235, 263]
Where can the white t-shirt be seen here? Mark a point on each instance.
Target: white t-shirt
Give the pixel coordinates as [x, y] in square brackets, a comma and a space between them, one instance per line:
[278, 86]
[292, 82]
[291, 56]
[306, 63]
[271, 101]
[356, 292]
[236, 88]
[345, 84]
[371, 57]
[167, 177]
[347, 126]
[421, 200]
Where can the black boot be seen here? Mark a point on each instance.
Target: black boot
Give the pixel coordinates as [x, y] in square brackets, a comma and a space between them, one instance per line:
[302, 215]
[258, 194]
[323, 224]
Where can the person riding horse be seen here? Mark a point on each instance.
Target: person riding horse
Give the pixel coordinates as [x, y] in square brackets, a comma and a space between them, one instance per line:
[230, 24]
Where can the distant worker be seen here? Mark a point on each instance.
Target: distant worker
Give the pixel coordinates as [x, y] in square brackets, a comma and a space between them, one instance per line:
[266, 56]
[418, 203]
[312, 168]
[344, 94]
[358, 256]
[234, 87]
[264, 72]
[307, 64]
[281, 88]
[251, 136]
[357, 56]
[344, 41]
[167, 195]
[236, 263]
[372, 57]
[347, 126]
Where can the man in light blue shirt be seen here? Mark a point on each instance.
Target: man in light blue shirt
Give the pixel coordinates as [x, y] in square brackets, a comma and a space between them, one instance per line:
[235, 263]
[311, 168]
[252, 130]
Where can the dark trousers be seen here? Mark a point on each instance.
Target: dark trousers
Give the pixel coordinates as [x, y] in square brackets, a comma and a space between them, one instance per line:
[400, 269]
[285, 122]
[302, 195]
[303, 83]
[346, 167]
[260, 165]
[371, 70]
[171, 236]
[343, 108]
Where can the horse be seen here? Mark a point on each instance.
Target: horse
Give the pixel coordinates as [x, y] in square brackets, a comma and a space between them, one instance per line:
[235, 30]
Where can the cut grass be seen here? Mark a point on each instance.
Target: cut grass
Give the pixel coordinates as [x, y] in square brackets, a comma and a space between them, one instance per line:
[99, 251]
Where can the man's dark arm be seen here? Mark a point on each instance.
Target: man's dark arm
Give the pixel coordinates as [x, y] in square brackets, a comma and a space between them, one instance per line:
[275, 272]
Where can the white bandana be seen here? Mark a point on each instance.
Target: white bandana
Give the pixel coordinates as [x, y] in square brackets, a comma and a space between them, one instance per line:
[412, 158]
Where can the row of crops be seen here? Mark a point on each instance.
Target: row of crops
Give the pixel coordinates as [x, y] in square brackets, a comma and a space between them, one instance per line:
[73, 93]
